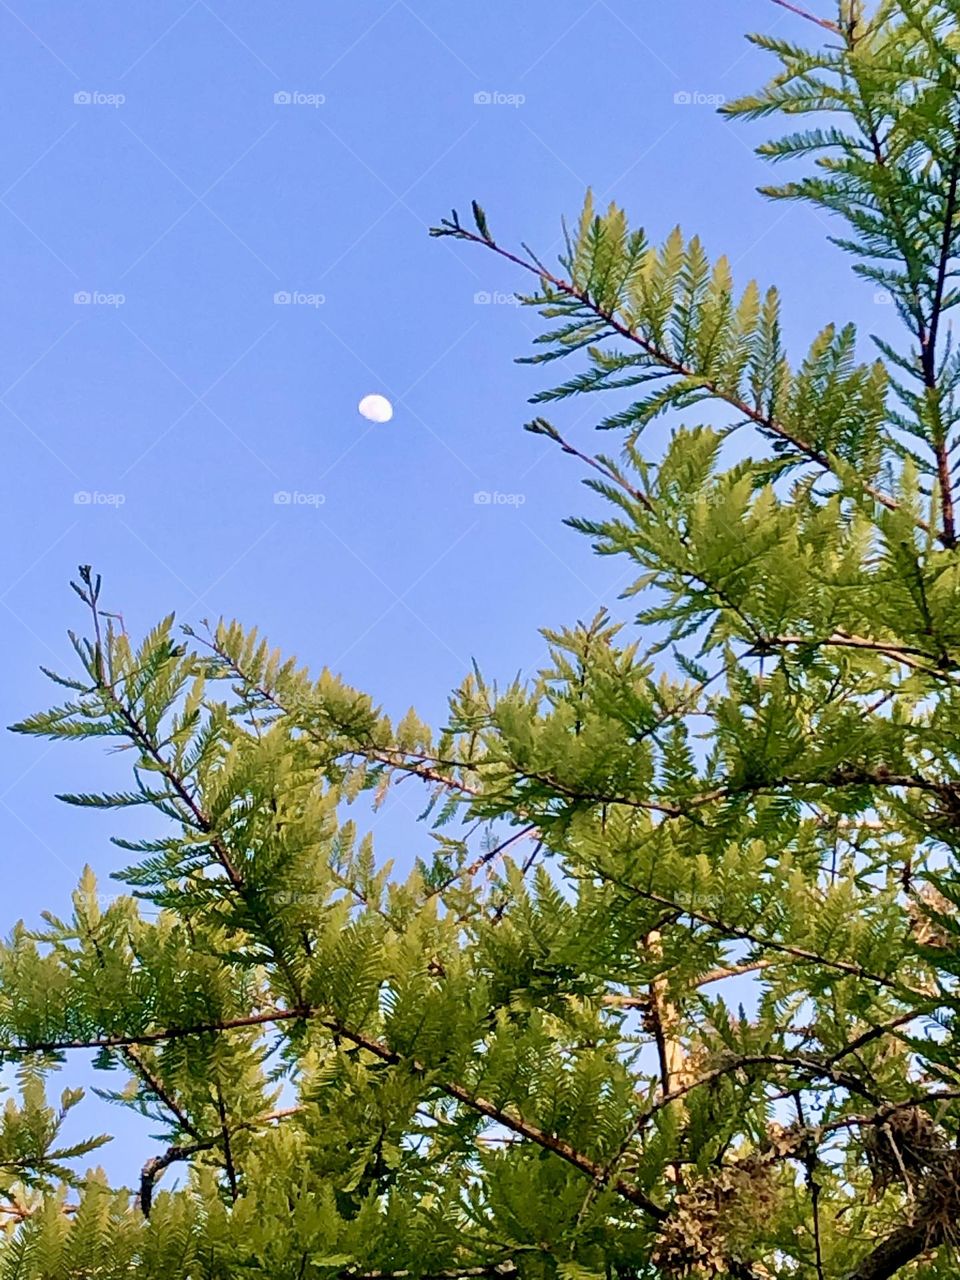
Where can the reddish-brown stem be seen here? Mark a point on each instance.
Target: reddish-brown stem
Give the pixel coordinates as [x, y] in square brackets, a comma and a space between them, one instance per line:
[810, 17]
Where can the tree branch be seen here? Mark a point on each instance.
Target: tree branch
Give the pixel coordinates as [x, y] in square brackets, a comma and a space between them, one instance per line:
[929, 354]
[810, 17]
[907, 655]
[752, 414]
[501, 1115]
[771, 944]
[897, 1250]
[154, 1167]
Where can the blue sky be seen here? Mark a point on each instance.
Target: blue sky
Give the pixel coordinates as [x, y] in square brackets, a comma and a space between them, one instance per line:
[149, 166]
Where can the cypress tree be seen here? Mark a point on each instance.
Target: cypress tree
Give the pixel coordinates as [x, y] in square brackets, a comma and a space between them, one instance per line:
[677, 992]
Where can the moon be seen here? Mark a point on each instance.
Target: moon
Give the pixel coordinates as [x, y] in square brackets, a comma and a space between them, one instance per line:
[376, 408]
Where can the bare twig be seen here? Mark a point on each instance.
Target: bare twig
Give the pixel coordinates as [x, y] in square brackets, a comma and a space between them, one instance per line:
[810, 17]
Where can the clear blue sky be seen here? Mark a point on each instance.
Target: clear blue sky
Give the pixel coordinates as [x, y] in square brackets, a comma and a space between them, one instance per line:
[182, 185]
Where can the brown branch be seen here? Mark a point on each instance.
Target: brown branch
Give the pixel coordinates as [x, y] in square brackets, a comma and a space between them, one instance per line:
[195, 817]
[264, 1017]
[20, 1213]
[712, 975]
[949, 536]
[899, 1248]
[677, 367]
[814, 1187]
[810, 17]
[874, 1033]
[501, 908]
[889, 1109]
[154, 1167]
[929, 354]
[592, 461]
[810, 1158]
[838, 779]
[486, 858]
[908, 655]
[421, 766]
[783, 948]
[946, 244]
[227, 1149]
[159, 1089]
[502, 1115]
[817, 1068]
[733, 971]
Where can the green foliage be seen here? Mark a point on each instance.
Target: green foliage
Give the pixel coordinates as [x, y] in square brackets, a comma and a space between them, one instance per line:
[672, 986]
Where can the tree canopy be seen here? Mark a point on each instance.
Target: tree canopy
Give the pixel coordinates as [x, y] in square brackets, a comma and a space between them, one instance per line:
[675, 992]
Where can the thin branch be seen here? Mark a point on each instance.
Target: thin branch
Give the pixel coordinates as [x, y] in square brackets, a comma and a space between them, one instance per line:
[810, 17]
[929, 352]
[195, 817]
[501, 907]
[771, 944]
[838, 779]
[875, 1032]
[663, 358]
[154, 1167]
[592, 461]
[485, 858]
[810, 1160]
[734, 971]
[712, 975]
[227, 1149]
[502, 1115]
[159, 1089]
[907, 655]
[889, 1109]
